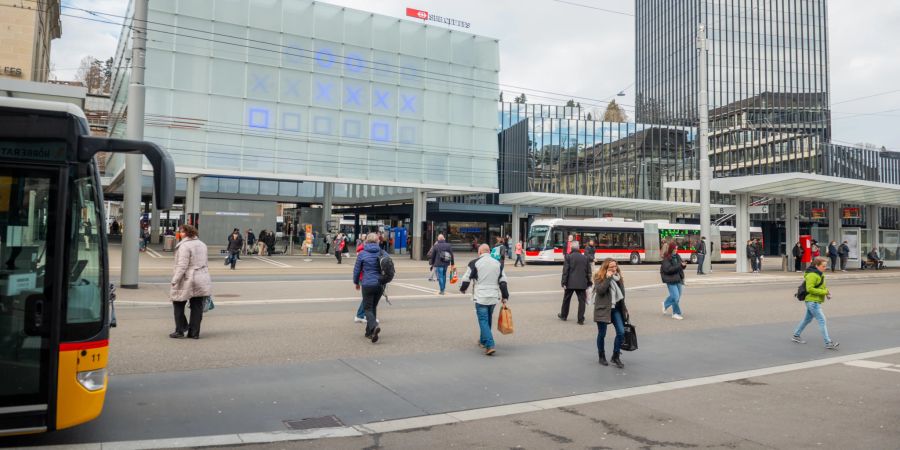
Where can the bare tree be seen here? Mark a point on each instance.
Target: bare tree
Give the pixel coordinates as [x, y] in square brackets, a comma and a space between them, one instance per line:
[614, 113]
[90, 74]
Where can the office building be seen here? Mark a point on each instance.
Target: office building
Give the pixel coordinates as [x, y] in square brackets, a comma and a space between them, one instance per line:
[26, 30]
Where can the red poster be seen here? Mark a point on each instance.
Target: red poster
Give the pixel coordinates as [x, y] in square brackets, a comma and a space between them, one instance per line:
[850, 213]
[417, 13]
[818, 213]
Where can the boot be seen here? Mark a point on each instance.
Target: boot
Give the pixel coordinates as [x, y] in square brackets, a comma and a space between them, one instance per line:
[603, 359]
[618, 362]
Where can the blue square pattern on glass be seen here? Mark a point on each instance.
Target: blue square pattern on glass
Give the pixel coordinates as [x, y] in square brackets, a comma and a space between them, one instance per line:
[322, 125]
[381, 131]
[352, 128]
[290, 122]
[258, 118]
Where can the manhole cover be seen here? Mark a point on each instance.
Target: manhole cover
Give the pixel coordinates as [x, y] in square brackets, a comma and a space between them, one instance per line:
[227, 295]
[314, 422]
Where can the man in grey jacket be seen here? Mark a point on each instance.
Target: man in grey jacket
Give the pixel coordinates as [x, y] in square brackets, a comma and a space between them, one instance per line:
[490, 287]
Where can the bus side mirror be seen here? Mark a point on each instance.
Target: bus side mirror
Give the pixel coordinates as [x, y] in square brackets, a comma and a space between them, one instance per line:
[36, 320]
[163, 167]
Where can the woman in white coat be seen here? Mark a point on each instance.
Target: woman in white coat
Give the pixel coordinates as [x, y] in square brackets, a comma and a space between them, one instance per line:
[190, 283]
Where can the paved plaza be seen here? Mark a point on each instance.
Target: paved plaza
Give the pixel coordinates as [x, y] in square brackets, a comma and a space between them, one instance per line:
[281, 364]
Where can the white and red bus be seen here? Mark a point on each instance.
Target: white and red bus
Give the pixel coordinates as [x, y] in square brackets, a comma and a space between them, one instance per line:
[625, 240]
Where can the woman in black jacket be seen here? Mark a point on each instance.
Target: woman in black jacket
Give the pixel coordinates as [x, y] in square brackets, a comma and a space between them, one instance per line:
[672, 272]
[609, 308]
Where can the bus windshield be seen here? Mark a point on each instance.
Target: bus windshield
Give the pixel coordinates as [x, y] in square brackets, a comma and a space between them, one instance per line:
[537, 236]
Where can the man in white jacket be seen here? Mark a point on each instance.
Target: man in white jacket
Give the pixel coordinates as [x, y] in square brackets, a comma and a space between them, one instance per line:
[490, 288]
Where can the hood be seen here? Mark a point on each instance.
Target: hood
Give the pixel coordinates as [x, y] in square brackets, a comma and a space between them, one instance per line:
[372, 248]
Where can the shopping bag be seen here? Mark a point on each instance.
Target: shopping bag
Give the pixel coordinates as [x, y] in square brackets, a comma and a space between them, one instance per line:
[504, 322]
[630, 343]
[208, 304]
[453, 277]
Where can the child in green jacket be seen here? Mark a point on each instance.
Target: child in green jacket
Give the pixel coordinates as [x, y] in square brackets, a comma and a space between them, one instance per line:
[816, 293]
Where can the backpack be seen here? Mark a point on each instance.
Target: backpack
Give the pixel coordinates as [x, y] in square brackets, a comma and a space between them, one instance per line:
[801, 290]
[386, 268]
[497, 252]
[446, 257]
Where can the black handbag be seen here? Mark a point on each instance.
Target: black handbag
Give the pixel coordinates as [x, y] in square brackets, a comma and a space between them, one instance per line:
[630, 343]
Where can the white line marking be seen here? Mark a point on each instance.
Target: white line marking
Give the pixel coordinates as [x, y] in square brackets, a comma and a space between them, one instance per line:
[274, 263]
[415, 287]
[152, 253]
[473, 414]
[891, 370]
[868, 364]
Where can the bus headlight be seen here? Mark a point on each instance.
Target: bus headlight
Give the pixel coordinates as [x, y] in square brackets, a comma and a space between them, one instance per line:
[92, 380]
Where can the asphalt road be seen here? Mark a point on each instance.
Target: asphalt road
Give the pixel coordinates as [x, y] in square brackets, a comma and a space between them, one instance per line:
[288, 350]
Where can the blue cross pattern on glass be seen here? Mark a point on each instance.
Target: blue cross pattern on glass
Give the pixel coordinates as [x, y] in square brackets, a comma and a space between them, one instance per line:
[258, 118]
[260, 83]
[353, 94]
[292, 87]
[323, 91]
[409, 103]
[381, 99]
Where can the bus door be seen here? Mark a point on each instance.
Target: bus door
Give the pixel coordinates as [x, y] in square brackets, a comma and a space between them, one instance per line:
[28, 251]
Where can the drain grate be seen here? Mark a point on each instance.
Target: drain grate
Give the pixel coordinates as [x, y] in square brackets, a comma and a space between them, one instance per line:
[314, 422]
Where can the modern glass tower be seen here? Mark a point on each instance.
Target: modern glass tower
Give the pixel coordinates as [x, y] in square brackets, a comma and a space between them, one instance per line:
[768, 67]
[767, 76]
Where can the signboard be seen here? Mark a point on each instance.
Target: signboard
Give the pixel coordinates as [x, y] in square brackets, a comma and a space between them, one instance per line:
[758, 209]
[309, 233]
[818, 213]
[852, 239]
[850, 213]
[425, 15]
[17, 71]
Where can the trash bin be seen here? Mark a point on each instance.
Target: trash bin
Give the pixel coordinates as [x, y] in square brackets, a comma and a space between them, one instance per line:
[169, 244]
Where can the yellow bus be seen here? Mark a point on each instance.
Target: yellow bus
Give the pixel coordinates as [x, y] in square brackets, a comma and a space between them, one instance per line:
[54, 277]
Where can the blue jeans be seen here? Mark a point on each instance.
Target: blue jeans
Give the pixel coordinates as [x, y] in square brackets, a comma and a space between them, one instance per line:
[441, 273]
[674, 297]
[361, 312]
[485, 313]
[620, 332]
[814, 309]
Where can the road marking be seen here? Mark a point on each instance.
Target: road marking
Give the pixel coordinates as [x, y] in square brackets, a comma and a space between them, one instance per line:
[413, 423]
[153, 253]
[272, 262]
[415, 287]
[873, 365]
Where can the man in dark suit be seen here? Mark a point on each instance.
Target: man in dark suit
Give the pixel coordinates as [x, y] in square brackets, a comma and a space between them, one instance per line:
[576, 277]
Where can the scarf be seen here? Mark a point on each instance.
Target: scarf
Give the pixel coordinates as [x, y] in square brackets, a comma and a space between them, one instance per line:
[615, 292]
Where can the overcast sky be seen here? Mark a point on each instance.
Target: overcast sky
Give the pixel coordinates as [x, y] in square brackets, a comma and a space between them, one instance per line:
[572, 51]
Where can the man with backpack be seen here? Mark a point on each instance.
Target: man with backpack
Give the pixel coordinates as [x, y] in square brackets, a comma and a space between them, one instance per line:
[813, 293]
[499, 252]
[373, 270]
[441, 258]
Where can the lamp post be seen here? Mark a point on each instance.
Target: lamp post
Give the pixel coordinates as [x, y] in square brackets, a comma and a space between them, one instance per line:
[703, 110]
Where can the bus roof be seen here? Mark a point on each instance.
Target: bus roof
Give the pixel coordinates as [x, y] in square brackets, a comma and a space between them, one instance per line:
[590, 223]
[42, 105]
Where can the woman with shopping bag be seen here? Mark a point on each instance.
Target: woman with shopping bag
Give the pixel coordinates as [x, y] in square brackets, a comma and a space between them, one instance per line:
[609, 308]
[190, 283]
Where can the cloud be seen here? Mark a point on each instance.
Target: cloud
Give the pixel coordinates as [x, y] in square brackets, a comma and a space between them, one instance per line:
[82, 38]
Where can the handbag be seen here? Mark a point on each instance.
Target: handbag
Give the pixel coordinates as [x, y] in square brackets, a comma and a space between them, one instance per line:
[453, 276]
[208, 304]
[504, 322]
[630, 343]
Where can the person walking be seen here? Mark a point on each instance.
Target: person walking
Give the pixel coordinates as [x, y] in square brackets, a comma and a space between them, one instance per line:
[844, 254]
[519, 259]
[270, 243]
[442, 258]
[833, 255]
[190, 283]
[701, 255]
[609, 308]
[251, 240]
[489, 288]
[576, 278]
[797, 253]
[816, 293]
[499, 252]
[339, 245]
[367, 278]
[569, 244]
[261, 243]
[590, 250]
[235, 244]
[361, 311]
[672, 273]
[752, 256]
[759, 254]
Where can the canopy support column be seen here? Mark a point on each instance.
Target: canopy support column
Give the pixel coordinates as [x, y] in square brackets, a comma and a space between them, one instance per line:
[742, 225]
[834, 222]
[792, 228]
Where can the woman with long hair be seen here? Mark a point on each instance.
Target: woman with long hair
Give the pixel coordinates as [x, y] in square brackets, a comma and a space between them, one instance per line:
[190, 283]
[672, 272]
[609, 308]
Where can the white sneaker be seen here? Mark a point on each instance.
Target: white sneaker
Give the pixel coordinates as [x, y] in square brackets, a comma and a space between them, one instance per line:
[664, 307]
[677, 317]
[358, 320]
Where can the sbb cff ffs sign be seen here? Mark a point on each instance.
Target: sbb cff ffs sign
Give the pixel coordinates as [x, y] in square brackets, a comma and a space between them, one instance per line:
[417, 13]
[425, 15]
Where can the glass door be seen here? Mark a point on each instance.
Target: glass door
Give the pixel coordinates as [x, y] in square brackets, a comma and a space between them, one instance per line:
[27, 210]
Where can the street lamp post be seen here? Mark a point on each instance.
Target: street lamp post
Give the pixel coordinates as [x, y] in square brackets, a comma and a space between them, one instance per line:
[703, 110]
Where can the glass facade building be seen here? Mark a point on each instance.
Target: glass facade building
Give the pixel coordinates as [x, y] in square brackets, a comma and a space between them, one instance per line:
[308, 91]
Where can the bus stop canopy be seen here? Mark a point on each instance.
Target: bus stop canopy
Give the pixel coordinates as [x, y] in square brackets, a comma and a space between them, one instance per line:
[608, 203]
[803, 186]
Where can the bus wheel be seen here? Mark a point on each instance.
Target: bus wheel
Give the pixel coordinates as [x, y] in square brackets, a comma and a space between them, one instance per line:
[635, 258]
[694, 258]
